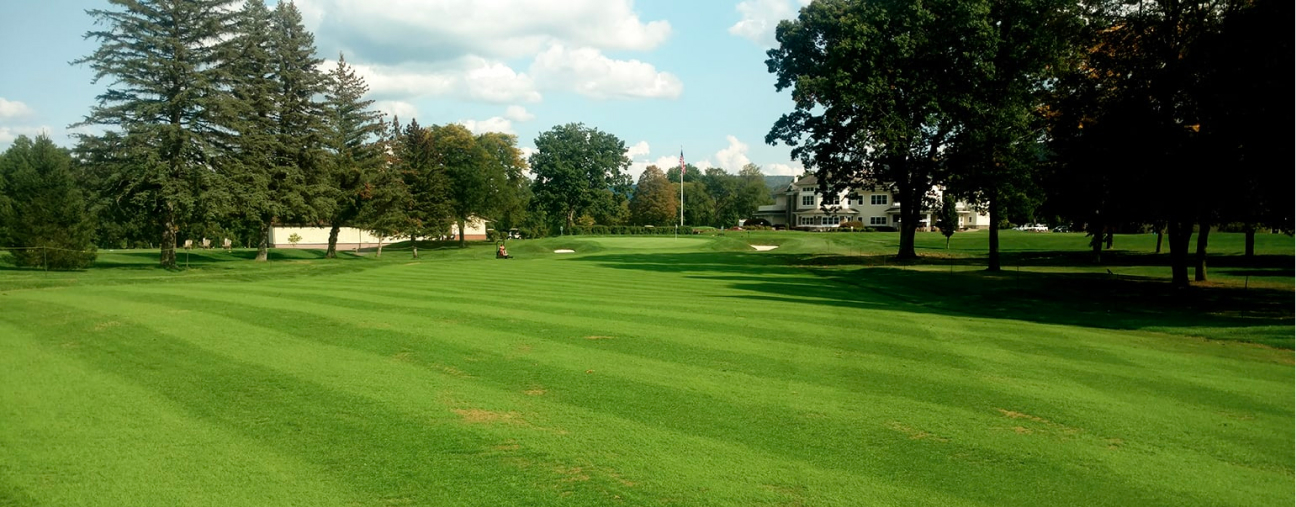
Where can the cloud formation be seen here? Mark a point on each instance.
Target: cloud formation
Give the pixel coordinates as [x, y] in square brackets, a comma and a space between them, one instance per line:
[398, 31]
[397, 109]
[518, 114]
[466, 78]
[13, 109]
[492, 124]
[588, 72]
[761, 17]
[734, 157]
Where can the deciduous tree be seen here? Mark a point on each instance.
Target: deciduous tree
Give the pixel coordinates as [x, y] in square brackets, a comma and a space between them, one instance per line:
[875, 85]
[655, 200]
[576, 167]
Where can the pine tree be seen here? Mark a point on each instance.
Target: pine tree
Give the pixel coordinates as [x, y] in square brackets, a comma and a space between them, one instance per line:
[46, 215]
[163, 60]
[354, 156]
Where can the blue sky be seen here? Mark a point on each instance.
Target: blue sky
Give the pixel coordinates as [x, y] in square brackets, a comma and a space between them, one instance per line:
[659, 74]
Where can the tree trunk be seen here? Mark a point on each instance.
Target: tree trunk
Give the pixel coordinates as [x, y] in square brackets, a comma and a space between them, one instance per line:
[571, 219]
[462, 242]
[1199, 268]
[168, 257]
[994, 234]
[379, 256]
[332, 245]
[1096, 240]
[1160, 232]
[909, 209]
[1109, 236]
[263, 246]
[1250, 241]
[1180, 235]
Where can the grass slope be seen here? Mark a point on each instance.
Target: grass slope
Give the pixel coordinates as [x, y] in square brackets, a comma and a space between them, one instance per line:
[641, 371]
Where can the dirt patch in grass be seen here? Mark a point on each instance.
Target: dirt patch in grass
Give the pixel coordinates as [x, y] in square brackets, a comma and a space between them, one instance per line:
[1018, 415]
[535, 392]
[479, 416]
[106, 325]
[599, 337]
[915, 434]
[1048, 426]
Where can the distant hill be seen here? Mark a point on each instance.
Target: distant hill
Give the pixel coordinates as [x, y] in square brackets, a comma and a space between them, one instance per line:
[776, 183]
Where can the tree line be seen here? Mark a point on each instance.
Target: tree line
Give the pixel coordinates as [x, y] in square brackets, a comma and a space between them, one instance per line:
[1108, 114]
[219, 122]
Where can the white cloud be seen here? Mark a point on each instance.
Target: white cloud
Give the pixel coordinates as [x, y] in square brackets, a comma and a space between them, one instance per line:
[492, 124]
[9, 134]
[794, 168]
[588, 72]
[498, 83]
[13, 109]
[761, 17]
[518, 114]
[469, 77]
[397, 30]
[733, 158]
[638, 150]
[398, 109]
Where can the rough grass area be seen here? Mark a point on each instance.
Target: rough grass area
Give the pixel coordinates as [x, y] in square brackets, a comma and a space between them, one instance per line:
[652, 371]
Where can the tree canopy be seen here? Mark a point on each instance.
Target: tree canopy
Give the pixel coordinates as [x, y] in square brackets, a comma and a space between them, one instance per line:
[576, 168]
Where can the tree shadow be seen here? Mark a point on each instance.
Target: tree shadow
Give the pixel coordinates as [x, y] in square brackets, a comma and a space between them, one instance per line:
[1092, 300]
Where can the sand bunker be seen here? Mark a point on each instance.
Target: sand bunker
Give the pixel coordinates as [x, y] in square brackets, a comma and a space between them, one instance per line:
[564, 251]
[764, 248]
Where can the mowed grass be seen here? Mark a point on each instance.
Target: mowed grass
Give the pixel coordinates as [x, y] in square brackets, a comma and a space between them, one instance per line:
[650, 371]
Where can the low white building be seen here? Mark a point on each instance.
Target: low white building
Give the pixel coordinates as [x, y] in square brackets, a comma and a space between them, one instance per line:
[351, 238]
[800, 206]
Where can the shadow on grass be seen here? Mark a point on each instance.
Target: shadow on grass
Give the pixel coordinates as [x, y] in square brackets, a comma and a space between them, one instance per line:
[1093, 300]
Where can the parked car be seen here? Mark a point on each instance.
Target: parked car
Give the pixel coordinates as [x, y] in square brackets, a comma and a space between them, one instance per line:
[1033, 228]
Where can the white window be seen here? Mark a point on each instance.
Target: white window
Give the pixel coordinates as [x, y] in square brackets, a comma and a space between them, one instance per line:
[856, 199]
[805, 220]
[831, 200]
[807, 200]
[877, 221]
[878, 199]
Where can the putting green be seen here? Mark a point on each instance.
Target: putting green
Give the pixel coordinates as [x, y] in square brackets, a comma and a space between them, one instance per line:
[638, 371]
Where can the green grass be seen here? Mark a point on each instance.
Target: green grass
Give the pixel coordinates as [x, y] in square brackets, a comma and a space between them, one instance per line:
[650, 371]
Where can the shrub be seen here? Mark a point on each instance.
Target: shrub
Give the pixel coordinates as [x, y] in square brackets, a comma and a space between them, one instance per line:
[854, 225]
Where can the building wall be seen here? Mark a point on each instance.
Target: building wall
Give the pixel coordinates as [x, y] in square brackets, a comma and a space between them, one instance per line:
[351, 238]
[873, 208]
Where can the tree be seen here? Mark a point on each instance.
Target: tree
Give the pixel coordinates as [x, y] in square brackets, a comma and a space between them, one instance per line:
[44, 212]
[654, 201]
[751, 194]
[875, 85]
[163, 60]
[513, 195]
[997, 150]
[947, 217]
[353, 152]
[576, 167]
[1134, 114]
[473, 180]
[299, 185]
[427, 208]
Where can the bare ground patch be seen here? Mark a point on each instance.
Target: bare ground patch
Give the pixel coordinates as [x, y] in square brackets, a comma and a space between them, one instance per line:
[479, 416]
[599, 338]
[915, 434]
